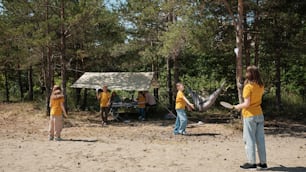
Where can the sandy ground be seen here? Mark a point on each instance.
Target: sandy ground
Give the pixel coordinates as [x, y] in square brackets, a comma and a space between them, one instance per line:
[137, 146]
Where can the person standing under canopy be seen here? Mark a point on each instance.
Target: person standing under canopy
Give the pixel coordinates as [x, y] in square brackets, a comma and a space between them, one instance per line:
[104, 98]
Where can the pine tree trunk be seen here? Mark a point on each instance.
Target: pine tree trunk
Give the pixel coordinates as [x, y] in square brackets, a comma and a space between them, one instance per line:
[46, 68]
[77, 90]
[20, 84]
[30, 83]
[169, 83]
[175, 70]
[176, 77]
[78, 96]
[63, 53]
[278, 79]
[239, 43]
[256, 40]
[278, 40]
[175, 53]
[84, 104]
[64, 79]
[7, 91]
[246, 41]
[155, 70]
[47, 65]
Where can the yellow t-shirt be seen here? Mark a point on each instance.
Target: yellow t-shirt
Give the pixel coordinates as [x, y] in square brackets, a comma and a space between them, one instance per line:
[141, 100]
[56, 109]
[104, 99]
[179, 101]
[254, 92]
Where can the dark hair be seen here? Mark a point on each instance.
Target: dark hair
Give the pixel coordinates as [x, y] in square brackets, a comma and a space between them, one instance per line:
[253, 75]
[142, 93]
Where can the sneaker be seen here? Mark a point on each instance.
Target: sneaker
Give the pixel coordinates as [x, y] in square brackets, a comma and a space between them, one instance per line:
[58, 139]
[51, 138]
[104, 124]
[140, 118]
[249, 166]
[262, 166]
[183, 133]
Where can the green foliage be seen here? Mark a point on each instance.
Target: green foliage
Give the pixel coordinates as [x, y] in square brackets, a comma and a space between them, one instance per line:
[136, 36]
[293, 106]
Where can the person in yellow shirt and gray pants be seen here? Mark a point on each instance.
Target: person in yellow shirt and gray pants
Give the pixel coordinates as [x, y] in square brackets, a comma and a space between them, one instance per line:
[180, 104]
[56, 111]
[253, 119]
[105, 100]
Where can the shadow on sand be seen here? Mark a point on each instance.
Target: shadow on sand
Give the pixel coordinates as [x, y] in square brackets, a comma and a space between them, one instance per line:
[81, 140]
[289, 169]
[285, 128]
[202, 134]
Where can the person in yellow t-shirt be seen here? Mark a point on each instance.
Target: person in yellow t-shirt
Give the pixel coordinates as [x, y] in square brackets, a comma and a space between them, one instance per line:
[57, 108]
[141, 102]
[180, 104]
[104, 99]
[253, 119]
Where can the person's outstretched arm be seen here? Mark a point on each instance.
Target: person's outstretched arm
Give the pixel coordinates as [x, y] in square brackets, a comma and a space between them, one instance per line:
[188, 103]
[245, 104]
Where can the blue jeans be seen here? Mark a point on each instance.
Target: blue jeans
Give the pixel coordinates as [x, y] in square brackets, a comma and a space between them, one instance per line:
[142, 113]
[253, 134]
[181, 121]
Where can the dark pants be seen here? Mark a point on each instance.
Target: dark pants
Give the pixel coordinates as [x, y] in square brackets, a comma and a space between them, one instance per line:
[104, 113]
[150, 109]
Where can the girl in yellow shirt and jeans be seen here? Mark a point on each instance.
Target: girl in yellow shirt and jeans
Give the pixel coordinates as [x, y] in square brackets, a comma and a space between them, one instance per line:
[56, 111]
[180, 105]
[253, 119]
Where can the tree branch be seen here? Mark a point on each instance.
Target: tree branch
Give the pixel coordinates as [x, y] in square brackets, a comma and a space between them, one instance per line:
[230, 12]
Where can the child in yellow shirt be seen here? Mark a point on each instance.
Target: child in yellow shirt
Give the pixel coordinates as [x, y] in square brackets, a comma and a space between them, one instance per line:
[180, 104]
[141, 101]
[57, 108]
[104, 97]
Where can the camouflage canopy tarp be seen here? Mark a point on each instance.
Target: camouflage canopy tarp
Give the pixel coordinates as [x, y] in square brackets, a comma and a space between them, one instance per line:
[129, 81]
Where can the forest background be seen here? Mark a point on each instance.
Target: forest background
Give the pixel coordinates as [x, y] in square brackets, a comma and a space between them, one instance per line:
[47, 42]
